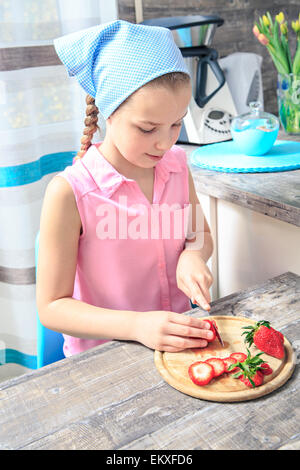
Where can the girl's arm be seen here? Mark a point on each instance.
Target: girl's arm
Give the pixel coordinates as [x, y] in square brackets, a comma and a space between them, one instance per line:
[193, 276]
[59, 235]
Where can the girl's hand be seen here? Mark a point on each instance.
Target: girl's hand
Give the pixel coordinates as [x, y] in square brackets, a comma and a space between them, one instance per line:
[170, 331]
[194, 278]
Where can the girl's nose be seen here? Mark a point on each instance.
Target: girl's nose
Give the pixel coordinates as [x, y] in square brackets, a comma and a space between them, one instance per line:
[165, 142]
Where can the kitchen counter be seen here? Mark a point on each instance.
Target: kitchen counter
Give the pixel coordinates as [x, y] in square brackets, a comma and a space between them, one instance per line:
[112, 396]
[275, 194]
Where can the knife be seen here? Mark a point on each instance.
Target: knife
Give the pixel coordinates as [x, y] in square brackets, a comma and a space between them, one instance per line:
[194, 302]
[218, 334]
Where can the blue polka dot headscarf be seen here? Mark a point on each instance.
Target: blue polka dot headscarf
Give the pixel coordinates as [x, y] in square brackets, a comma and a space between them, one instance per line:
[112, 60]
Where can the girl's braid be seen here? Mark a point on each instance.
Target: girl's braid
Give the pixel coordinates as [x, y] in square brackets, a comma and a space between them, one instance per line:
[91, 126]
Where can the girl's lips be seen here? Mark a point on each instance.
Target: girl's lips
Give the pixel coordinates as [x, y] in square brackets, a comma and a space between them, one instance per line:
[154, 156]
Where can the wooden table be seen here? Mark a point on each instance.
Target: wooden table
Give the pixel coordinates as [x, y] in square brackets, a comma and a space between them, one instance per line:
[112, 397]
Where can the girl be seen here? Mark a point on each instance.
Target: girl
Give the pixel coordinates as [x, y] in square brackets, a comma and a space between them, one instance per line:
[110, 263]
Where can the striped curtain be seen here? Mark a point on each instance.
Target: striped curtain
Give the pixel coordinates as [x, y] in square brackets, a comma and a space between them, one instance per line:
[41, 121]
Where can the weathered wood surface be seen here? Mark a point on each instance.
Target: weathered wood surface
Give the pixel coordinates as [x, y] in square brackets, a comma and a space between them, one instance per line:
[276, 194]
[112, 396]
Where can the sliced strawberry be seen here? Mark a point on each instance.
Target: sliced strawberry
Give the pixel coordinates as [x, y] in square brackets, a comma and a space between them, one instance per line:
[228, 361]
[239, 356]
[201, 373]
[212, 328]
[266, 369]
[217, 364]
[257, 378]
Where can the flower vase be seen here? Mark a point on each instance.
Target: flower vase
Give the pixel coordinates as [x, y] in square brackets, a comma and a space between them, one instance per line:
[288, 98]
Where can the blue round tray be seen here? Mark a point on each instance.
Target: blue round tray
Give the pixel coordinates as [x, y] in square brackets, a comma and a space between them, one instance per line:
[225, 156]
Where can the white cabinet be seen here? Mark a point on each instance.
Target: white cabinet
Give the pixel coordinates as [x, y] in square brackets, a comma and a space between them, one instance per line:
[249, 247]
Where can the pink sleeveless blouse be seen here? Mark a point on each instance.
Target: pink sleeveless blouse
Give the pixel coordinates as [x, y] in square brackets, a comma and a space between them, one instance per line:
[129, 249]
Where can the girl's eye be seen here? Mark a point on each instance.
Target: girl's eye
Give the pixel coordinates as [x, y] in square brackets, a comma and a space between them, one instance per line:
[143, 130]
[151, 130]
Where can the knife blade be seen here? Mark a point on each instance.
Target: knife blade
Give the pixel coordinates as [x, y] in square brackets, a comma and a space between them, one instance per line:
[218, 334]
[193, 300]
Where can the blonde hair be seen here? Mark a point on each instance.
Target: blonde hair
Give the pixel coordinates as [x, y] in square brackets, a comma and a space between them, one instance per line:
[169, 80]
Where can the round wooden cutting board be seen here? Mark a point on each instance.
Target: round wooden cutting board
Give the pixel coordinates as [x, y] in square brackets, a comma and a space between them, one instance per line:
[173, 367]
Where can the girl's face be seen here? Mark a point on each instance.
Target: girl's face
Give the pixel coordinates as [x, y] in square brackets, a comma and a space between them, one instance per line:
[147, 125]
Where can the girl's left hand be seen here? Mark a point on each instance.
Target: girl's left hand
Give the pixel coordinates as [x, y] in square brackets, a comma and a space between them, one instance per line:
[194, 278]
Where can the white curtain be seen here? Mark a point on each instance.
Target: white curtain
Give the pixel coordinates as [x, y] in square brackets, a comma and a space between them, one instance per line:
[41, 121]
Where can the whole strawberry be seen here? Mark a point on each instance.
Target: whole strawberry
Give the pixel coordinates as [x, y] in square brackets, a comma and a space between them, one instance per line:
[265, 338]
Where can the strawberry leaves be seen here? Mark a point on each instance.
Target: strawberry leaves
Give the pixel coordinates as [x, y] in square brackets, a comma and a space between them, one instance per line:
[248, 368]
[265, 338]
[252, 329]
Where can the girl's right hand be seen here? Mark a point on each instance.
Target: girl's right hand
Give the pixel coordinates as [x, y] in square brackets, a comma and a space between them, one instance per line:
[170, 331]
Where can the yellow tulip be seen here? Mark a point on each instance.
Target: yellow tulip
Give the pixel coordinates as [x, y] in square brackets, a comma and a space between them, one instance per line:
[283, 28]
[266, 21]
[296, 26]
[280, 17]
